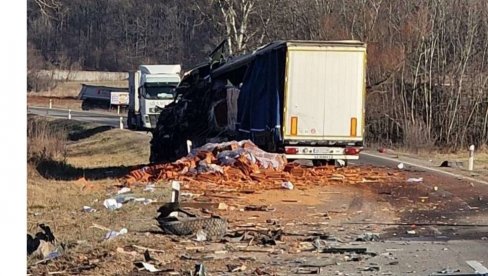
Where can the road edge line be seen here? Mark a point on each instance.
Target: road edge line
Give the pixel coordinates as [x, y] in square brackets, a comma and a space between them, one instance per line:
[427, 168]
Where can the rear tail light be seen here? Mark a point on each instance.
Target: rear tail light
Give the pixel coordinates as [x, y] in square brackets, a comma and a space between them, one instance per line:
[294, 126]
[353, 126]
[291, 150]
[352, 151]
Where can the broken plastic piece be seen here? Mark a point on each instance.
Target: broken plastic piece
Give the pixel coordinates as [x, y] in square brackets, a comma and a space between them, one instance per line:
[146, 266]
[415, 180]
[150, 267]
[112, 204]
[123, 190]
[149, 188]
[201, 235]
[112, 234]
[88, 209]
[287, 185]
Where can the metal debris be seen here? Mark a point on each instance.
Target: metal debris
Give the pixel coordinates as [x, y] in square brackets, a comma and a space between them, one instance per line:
[368, 236]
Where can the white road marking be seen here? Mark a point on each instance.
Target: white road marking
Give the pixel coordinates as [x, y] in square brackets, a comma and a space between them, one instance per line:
[427, 168]
[478, 268]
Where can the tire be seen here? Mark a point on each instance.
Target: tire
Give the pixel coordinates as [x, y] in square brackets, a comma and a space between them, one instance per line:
[215, 228]
[84, 105]
[319, 162]
[130, 118]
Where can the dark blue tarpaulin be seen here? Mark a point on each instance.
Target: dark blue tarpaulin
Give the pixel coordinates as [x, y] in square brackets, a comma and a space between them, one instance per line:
[260, 102]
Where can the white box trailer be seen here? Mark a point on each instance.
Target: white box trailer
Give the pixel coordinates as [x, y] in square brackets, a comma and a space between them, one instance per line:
[324, 100]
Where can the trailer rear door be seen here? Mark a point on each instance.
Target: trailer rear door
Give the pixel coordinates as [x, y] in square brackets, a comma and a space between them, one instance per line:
[324, 92]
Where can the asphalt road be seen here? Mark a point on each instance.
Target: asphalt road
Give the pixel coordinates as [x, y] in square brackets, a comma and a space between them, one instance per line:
[112, 120]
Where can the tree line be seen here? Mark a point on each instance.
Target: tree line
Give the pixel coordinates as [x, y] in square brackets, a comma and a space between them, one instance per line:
[427, 59]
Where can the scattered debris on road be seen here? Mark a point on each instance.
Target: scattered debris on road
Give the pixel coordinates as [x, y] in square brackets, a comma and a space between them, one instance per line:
[112, 204]
[44, 245]
[88, 209]
[415, 180]
[112, 234]
[240, 164]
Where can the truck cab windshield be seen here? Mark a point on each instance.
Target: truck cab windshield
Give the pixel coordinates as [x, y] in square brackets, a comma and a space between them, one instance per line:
[160, 90]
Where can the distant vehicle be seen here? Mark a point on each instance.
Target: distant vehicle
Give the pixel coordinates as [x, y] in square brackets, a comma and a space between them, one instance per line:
[305, 99]
[151, 88]
[97, 96]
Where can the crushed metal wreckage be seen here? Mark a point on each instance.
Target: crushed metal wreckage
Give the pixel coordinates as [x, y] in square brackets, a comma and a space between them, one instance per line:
[242, 164]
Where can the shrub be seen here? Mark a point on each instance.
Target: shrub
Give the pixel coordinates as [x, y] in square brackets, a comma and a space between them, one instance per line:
[45, 141]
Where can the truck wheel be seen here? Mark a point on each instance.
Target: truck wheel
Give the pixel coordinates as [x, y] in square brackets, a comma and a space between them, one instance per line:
[318, 162]
[84, 105]
[129, 120]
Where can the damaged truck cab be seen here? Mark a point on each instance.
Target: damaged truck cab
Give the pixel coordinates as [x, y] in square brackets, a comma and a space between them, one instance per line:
[305, 99]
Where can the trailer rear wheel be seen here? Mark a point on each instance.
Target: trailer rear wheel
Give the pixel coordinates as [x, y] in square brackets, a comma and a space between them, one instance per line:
[319, 162]
[85, 104]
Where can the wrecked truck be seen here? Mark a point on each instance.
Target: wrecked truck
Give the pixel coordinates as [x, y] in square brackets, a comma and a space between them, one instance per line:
[305, 99]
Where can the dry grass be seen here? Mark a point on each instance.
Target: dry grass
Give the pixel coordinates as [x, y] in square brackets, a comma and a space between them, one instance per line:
[110, 148]
[45, 141]
[58, 201]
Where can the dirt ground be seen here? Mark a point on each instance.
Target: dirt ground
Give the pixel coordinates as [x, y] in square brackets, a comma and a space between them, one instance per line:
[446, 220]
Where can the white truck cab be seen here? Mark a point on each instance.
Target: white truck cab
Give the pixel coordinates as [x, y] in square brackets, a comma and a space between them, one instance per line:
[151, 88]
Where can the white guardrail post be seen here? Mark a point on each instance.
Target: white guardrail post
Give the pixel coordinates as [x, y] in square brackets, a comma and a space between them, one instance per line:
[50, 103]
[121, 123]
[188, 146]
[471, 158]
[69, 114]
